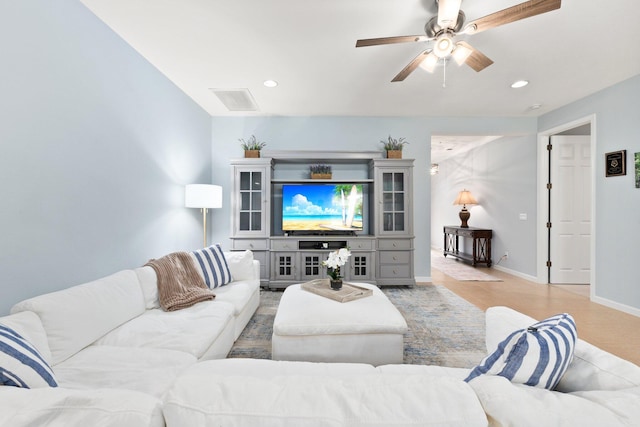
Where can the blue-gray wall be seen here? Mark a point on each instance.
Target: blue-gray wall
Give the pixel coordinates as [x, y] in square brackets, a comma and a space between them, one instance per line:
[355, 133]
[617, 201]
[95, 148]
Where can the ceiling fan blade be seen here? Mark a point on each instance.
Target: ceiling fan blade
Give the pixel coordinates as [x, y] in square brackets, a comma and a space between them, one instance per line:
[411, 67]
[476, 59]
[448, 13]
[391, 40]
[512, 14]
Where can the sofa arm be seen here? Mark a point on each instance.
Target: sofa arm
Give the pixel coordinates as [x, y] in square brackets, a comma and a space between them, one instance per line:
[256, 269]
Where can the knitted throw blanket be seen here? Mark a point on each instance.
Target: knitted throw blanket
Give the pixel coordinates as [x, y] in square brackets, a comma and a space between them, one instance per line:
[179, 283]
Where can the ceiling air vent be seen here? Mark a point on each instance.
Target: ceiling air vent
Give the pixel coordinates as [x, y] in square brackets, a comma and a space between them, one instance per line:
[236, 99]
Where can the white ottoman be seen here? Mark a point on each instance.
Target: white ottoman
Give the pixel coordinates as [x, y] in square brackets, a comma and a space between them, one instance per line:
[309, 327]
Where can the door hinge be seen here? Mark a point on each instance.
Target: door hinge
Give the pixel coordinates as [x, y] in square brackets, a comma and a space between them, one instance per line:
[548, 263]
[549, 147]
[549, 186]
[549, 225]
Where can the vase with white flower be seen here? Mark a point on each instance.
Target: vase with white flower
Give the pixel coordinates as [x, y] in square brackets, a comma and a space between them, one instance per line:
[333, 263]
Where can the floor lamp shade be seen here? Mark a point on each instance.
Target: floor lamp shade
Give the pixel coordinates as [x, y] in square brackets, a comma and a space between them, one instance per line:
[205, 197]
[465, 198]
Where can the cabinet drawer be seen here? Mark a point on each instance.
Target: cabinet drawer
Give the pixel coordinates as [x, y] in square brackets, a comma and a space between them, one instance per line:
[394, 244]
[252, 245]
[284, 245]
[357, 244]
[394, 271]
[394, 257]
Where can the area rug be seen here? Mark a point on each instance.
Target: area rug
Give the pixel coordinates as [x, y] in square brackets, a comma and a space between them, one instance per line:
[444, 329]
[458, 270]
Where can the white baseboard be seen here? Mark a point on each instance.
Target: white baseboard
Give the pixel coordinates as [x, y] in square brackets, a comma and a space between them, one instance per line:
[616, 305]
[423, 279]
[516, 273]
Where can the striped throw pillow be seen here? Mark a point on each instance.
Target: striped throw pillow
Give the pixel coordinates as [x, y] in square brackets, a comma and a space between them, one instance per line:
[20, 363]
[537, 356]
[213, 265]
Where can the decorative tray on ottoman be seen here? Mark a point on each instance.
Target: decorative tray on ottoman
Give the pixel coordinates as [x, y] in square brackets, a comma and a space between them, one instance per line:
[348, 292]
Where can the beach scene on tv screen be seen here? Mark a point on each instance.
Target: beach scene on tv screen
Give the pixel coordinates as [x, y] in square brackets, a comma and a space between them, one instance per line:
[322, 207]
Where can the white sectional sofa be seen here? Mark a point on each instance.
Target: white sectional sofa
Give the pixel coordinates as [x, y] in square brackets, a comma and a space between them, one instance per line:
[109, 339]
[120, 361]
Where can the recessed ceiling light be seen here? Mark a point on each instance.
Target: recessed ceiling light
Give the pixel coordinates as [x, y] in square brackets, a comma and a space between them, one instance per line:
[270, 83]
[519, 84]
[536, 106]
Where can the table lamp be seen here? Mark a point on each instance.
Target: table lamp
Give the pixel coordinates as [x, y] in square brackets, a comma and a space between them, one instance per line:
[203, 196]
[465, 198]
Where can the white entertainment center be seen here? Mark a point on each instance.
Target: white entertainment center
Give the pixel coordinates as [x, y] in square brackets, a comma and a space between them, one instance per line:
[382, 248]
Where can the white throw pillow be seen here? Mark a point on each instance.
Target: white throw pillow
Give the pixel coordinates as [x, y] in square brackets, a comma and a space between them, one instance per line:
[213, 266]
[21, 365]
[537, 356]
[149, 284]
[240, 264]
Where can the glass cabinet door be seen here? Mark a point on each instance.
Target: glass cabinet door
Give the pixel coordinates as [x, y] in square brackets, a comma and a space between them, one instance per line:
[393, 202]
[251, 184]
[250, 198]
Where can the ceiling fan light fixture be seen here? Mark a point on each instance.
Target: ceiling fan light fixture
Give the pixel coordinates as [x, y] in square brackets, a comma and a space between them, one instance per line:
[443, 46]
[461, 53]
[430, 62]
[448, 13]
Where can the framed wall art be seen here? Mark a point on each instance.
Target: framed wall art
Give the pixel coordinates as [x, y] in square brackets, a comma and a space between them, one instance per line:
[616, 163]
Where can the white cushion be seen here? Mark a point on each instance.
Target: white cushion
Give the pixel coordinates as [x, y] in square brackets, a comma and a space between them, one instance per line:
[433, 370]
[591, 369]
[508, 404]
[536, 356]
[240, 264]
[147, 370]
[28, 324]
[149, 284]
[75, 317]
[201, 397]
[21, 365]
[212, 265]
[237, 294]
[59, 407]
[264, 368]
[191, 330]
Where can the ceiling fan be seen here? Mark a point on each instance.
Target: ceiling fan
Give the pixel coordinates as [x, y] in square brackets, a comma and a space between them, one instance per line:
[449, 24]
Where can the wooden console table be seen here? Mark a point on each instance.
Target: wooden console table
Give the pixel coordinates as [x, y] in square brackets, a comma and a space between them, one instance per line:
[481, 253]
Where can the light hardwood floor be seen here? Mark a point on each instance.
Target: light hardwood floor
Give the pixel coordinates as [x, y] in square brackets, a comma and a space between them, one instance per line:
[609, 329]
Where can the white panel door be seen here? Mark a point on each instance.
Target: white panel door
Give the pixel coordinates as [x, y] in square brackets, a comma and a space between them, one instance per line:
[570, 209]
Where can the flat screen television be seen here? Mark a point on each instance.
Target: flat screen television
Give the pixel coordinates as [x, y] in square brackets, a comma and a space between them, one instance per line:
[322, 207]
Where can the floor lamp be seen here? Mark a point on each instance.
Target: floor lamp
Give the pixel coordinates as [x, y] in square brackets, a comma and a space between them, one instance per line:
[205, 197]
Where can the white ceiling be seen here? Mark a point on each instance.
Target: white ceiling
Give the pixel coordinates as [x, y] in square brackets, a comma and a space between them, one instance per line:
[308, 46]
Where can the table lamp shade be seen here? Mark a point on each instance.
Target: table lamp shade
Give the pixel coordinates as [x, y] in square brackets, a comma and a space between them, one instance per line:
[203, 196]
[465, 198]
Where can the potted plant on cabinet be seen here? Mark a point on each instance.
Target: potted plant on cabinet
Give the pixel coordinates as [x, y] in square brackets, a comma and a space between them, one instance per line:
[320, 171]
[394, 147]
[251, 146]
